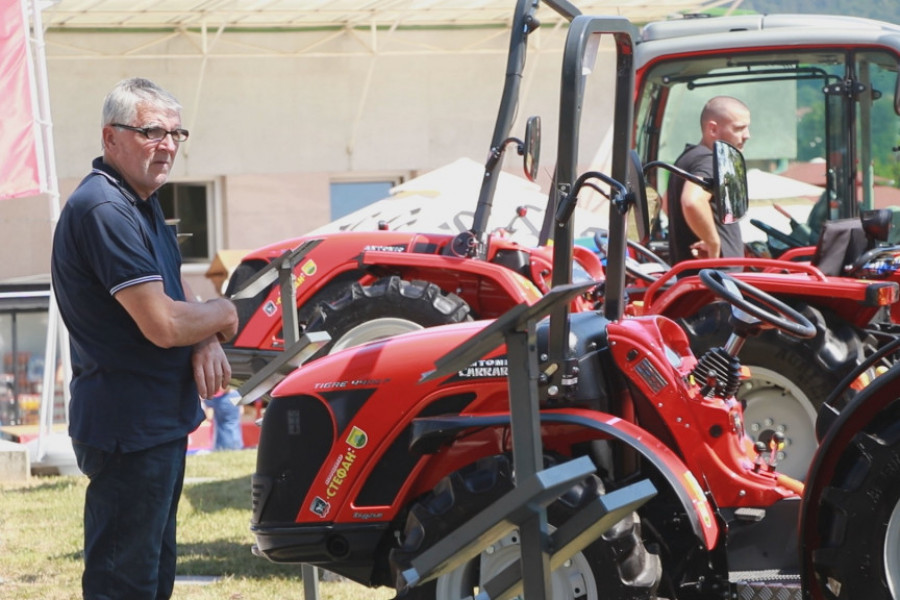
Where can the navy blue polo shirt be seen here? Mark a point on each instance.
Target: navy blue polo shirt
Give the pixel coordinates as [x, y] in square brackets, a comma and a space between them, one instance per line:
[127, 393]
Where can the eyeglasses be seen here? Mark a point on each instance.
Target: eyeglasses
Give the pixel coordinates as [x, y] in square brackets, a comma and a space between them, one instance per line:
[157, 133]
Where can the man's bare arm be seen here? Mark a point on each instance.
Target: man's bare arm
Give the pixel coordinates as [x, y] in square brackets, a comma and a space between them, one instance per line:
[169, 323]
[699, 216]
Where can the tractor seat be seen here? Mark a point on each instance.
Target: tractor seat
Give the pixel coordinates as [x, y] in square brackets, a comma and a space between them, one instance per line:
[841, 242]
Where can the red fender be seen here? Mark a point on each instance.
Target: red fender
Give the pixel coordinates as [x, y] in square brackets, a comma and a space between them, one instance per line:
[560, 428]
[676, 473]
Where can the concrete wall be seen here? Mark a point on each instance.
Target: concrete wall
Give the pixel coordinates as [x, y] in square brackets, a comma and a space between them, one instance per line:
[271, 131]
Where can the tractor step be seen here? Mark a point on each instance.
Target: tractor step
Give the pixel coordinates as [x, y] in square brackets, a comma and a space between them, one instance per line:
[766, 585]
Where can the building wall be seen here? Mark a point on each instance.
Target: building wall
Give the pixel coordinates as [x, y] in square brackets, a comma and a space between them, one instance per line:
[273, 128]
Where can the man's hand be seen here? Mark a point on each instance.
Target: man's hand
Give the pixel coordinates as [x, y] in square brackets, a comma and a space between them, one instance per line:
[703, 249]
[211, 369]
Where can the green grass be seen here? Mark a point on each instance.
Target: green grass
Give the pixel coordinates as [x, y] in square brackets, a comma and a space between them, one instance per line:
[41, 539]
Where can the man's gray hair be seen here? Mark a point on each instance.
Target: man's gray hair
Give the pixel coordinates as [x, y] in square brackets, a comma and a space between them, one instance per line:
[121, 104]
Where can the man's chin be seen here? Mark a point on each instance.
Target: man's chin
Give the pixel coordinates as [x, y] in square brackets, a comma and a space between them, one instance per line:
[160, 180]
[160, 175]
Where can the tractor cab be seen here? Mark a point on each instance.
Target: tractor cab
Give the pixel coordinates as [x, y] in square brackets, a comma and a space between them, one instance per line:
[823, 96]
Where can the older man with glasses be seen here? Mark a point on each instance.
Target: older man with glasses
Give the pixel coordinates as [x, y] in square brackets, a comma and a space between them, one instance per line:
[143, 351]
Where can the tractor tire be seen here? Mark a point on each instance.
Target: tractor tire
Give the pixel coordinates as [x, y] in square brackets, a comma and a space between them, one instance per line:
[859, 524]
[388, 307]
[617, 566]
[248, 307]
[789, 379]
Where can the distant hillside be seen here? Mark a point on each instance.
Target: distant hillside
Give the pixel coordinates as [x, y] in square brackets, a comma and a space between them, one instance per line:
[883, 10]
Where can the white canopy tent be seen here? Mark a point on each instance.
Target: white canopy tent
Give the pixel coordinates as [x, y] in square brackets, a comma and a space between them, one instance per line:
[767, 189]
[770, 186]
[203, 15]
[444, 201]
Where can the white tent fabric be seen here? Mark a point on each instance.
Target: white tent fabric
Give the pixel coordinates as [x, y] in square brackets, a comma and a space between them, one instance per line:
[444, 201]
[769, 186]
[184, 14]
[767, 189]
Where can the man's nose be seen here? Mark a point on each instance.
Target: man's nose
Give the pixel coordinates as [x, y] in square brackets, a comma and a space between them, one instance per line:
[168, 143]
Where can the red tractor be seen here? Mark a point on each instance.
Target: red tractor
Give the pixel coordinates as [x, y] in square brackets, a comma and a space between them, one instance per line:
[835, 81]
[362, 286]
[378, 283]
[494, 468]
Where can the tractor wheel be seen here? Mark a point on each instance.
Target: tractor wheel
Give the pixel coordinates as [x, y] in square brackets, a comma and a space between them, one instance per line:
[789, 379]
[248, 307]
[388, 307]
[859, 523]
[616, 566]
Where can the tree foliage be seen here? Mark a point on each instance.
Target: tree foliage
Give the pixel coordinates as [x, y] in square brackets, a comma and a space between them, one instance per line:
[882, 10]
[884, 138]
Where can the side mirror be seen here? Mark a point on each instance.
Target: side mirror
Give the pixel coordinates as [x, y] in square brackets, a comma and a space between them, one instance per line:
[729, 183]
[532, 147]
[897, 96]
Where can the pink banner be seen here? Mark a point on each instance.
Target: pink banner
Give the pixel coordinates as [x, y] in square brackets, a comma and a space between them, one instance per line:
[19, 170]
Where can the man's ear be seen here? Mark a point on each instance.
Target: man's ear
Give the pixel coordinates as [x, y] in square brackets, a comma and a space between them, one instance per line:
[108, 136]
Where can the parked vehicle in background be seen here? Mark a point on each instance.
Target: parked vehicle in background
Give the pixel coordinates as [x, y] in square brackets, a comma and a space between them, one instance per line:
[823, 90]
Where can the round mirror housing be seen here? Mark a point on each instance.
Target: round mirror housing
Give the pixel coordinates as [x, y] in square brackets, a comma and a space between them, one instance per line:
[729, 183]
[532, 147]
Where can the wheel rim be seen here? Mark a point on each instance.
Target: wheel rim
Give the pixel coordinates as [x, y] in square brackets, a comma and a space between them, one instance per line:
[775, 403]
[574, 579]
[376, 329]
[892, 551]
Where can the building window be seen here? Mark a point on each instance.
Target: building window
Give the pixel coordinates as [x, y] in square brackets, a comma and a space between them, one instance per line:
[350, 196]
[23, 337]
[189, 206]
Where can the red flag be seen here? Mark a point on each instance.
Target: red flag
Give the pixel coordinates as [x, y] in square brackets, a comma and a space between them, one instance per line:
[19, 165]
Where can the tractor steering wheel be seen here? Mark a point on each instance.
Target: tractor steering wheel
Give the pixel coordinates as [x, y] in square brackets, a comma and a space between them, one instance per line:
[634, 267]
[781, 236]
[739, 293]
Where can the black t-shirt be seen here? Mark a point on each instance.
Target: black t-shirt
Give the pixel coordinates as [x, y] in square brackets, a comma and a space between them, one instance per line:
[697, 160]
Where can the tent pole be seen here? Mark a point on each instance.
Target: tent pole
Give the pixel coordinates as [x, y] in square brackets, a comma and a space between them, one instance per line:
[55, 330]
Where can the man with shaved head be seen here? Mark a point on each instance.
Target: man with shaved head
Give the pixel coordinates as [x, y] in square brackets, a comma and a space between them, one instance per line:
[694, 230]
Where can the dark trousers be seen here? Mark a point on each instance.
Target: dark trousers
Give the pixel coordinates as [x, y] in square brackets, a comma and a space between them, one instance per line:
[129, 521]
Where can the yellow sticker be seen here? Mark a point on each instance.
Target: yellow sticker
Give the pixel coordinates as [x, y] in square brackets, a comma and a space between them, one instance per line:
[309, 267]
[357, 438]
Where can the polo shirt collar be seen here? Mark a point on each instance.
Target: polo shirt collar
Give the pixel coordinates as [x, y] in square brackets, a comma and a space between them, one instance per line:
[102, 168]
